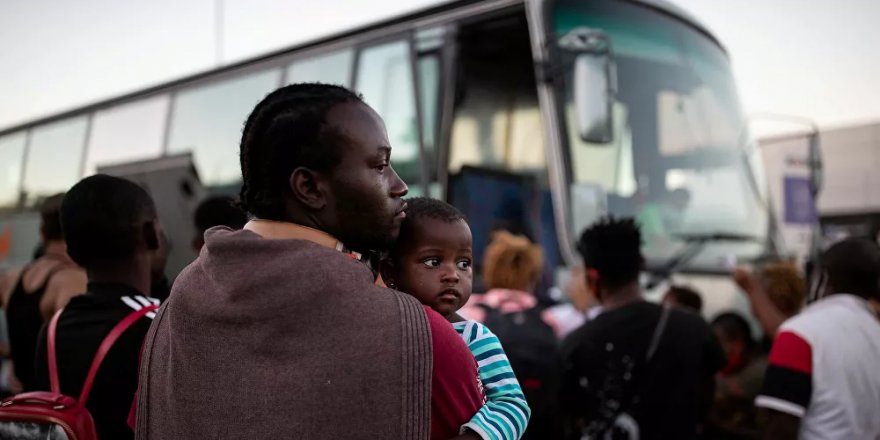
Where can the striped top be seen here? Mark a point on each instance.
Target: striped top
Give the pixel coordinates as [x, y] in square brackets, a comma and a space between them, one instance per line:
[506, 413]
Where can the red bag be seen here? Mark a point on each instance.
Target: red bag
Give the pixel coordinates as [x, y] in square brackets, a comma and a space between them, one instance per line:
[51, 415]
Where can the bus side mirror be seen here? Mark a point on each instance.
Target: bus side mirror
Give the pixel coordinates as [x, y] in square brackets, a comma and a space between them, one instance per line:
[593, 98]
[594, 83]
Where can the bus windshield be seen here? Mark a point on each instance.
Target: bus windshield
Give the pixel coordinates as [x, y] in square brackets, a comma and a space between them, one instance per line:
[677, 161]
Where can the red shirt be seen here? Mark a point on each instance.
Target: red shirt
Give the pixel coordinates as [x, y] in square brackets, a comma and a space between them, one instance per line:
[456, 392]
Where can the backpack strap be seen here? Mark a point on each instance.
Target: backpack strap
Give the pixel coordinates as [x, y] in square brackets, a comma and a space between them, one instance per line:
[658, 332]
[50, 349]
[105, 346]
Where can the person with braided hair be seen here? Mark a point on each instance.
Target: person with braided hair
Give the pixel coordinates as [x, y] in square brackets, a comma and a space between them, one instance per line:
[280, 330]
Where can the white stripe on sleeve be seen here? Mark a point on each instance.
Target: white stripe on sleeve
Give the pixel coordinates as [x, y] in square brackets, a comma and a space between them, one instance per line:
[780, 405]
[132, 303]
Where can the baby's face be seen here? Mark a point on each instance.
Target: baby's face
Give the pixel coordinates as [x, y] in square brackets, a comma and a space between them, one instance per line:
[436, 266]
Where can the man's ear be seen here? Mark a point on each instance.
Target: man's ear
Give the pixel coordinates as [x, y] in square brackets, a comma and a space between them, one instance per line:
[388, 272]
[592, 276]
[150, 235]
[308, 187]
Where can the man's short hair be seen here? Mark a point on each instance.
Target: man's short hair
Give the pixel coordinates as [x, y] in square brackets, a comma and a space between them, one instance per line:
[613, 248]
[853, 266]
[102, 217]
[50, 218]
[218, 211]
[687, 297]
[286, 130]
[733, 327]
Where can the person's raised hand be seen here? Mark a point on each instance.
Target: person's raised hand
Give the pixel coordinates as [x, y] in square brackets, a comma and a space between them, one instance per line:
[745, 280]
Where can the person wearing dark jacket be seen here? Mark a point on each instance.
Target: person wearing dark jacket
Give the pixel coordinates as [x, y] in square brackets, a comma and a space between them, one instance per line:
[112, 231]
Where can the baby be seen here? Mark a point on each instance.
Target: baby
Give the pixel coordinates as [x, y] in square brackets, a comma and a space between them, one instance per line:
[432, 262]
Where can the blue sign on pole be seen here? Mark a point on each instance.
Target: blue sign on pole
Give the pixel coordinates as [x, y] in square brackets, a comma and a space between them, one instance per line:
[799, 206]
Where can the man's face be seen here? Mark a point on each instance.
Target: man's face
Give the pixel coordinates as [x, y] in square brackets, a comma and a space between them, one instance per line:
[365, 202]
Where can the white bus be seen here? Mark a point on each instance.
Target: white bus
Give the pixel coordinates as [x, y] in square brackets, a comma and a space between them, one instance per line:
[541, 114]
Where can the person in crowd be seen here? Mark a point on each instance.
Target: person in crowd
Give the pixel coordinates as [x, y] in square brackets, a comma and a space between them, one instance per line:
[684, 297]
[581, 306]
[733, 415]
[822, 379]
[777, 293]
[112, 231]
[512, 267]
[216, 211]
[320, 351]
[32, 295]
[638, 370]
[661, 219]
[432, 261]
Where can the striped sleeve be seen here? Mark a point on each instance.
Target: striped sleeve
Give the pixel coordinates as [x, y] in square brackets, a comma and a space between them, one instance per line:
[788, 381]
[505, 415]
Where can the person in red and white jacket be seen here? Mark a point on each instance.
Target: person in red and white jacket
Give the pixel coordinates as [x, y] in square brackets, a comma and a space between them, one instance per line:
[823, 380]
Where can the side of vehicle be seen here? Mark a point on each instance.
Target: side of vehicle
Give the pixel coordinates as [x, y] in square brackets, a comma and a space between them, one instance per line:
[537, 116]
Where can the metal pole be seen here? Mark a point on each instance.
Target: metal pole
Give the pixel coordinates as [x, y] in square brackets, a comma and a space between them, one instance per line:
[218, 31]
[814, 157]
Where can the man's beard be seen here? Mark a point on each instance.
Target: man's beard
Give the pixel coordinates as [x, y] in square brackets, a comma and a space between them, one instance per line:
[364, 229]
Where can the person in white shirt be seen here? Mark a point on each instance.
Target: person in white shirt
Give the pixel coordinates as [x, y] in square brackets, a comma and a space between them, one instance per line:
[823, 379]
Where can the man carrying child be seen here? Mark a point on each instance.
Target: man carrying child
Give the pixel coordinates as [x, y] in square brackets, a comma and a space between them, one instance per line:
[277, 330]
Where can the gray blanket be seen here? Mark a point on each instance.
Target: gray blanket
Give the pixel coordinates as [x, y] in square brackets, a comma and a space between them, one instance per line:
[283, 339]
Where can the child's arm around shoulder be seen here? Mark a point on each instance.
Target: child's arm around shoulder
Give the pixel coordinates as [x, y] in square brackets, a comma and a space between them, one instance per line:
[506, 413]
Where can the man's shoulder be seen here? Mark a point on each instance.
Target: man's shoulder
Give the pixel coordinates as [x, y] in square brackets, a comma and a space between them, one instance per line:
[612, 319]
[445, 338]
[436, 321]
[823, 318]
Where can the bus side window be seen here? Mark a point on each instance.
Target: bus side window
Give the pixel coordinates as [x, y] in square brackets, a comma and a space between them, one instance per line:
[497, 122]
[328, 68]
[429, 96]
[54, 158]
[385, 78]
[207, 121]
[111, 141]
[430, 44]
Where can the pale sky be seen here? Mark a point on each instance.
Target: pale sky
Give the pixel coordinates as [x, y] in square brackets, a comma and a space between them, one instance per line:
[811, 58]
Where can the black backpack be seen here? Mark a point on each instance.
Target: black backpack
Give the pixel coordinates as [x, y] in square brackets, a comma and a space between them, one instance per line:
[533, 351]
